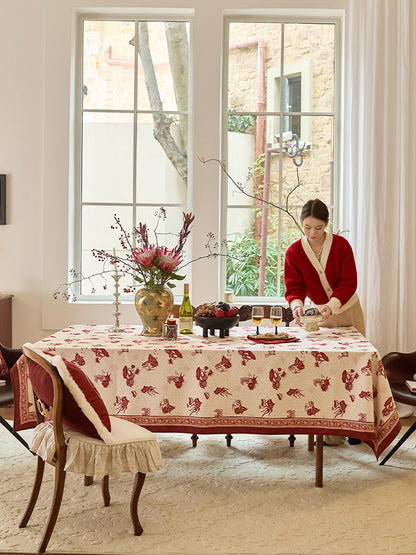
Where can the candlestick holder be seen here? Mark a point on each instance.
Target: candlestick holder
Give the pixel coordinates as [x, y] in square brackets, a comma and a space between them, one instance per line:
[116, 327]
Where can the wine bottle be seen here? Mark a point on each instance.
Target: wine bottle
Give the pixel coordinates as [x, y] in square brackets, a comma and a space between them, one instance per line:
[186, 313]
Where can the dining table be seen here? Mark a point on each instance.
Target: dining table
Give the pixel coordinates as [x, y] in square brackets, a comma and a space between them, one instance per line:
[327, 382]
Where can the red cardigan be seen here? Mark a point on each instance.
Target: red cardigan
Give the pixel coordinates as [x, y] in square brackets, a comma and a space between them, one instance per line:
[302, 279]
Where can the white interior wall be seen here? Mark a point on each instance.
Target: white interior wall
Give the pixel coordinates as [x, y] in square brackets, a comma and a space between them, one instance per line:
[22, 33]
[35, 55]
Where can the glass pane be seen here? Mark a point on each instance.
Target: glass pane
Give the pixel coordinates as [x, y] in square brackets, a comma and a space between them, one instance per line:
[257, 241]
[98, 234]
[163, 65]
[107, 158]
[253, 156]
[241, 159]
[316, 171]
[158, 180]
[309, 62]
[108, 65]
[294, 168]
[254, 49]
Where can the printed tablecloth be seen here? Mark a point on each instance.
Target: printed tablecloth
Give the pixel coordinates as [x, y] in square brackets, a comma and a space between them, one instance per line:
[329, 382]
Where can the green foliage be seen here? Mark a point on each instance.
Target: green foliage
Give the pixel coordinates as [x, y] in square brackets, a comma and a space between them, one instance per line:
[240, 124]
[243, 260]
[258, 167]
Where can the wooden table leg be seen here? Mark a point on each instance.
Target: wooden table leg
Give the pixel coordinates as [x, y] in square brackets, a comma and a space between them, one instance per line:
[88, 480]
[194, 438]
[292, 440]
[319, 461]
[311, 439]
[228, 438]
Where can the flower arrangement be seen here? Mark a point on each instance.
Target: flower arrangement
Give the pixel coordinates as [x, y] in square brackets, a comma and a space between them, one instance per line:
[148, 263]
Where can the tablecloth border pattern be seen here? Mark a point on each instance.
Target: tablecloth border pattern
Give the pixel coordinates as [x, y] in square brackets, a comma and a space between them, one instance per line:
[274, 426]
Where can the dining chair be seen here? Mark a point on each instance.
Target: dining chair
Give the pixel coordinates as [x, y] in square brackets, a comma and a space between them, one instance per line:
[400, 367]
[76, 434]
[8, 357]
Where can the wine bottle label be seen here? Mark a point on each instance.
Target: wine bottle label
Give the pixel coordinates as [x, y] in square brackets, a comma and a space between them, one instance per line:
[185, 323]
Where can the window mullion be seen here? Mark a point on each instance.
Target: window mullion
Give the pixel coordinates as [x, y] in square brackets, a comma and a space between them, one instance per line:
[135, 103]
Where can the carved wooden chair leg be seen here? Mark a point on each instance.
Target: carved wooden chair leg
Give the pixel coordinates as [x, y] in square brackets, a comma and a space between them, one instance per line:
[35, 493]
[88, 480]
[138, 484]
[194, 438]
[311, 439]
[228, 438]
[105, 490]
[56, 504]
[292, 440]
[60, 475]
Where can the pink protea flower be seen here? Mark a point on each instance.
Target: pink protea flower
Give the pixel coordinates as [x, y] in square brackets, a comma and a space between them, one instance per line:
[145, 257]
[168, 261]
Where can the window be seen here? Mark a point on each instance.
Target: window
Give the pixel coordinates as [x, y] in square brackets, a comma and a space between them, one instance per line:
[279, 76]
[132, 134]
[297, 97]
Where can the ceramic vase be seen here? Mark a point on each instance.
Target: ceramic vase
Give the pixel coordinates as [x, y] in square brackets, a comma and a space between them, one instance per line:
[154, 305]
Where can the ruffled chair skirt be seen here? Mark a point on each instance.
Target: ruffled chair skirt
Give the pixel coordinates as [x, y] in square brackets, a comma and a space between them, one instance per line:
[133, 449]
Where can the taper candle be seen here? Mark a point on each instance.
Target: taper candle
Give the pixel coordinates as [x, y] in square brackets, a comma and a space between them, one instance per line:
[115, 263]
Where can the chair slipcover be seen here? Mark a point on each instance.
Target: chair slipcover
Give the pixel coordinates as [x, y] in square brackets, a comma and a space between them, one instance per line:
[135, 449]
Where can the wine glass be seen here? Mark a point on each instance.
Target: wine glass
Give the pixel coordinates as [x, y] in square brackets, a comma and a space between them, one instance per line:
[257, 315]
[276, 316]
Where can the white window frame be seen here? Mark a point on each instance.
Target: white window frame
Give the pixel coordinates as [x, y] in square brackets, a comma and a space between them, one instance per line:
[75, 223]
[335, 18]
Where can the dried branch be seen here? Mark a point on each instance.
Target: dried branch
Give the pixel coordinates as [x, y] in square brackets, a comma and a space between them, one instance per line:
[240, 187]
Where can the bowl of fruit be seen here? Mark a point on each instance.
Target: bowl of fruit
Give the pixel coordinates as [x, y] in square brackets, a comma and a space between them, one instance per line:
[216, 316]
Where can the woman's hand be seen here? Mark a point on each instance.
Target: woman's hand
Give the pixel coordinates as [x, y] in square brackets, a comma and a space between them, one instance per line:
[326, 312]
[297, 313]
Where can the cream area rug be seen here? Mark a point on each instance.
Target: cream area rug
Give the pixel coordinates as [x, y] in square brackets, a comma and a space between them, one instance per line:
[257, 496]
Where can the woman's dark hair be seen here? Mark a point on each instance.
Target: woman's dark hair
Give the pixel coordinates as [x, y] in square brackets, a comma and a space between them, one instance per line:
[315, 208]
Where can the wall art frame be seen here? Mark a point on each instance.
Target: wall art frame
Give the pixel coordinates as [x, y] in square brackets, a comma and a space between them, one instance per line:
[2, 199]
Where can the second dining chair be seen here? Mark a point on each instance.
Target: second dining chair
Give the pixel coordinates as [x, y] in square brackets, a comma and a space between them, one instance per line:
[8, 357]
[400, 367]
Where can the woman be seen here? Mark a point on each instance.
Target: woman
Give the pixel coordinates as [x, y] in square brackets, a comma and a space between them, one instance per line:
[321, 266]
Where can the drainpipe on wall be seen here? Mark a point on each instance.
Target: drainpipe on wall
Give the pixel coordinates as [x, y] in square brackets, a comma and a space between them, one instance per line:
[264, 220]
